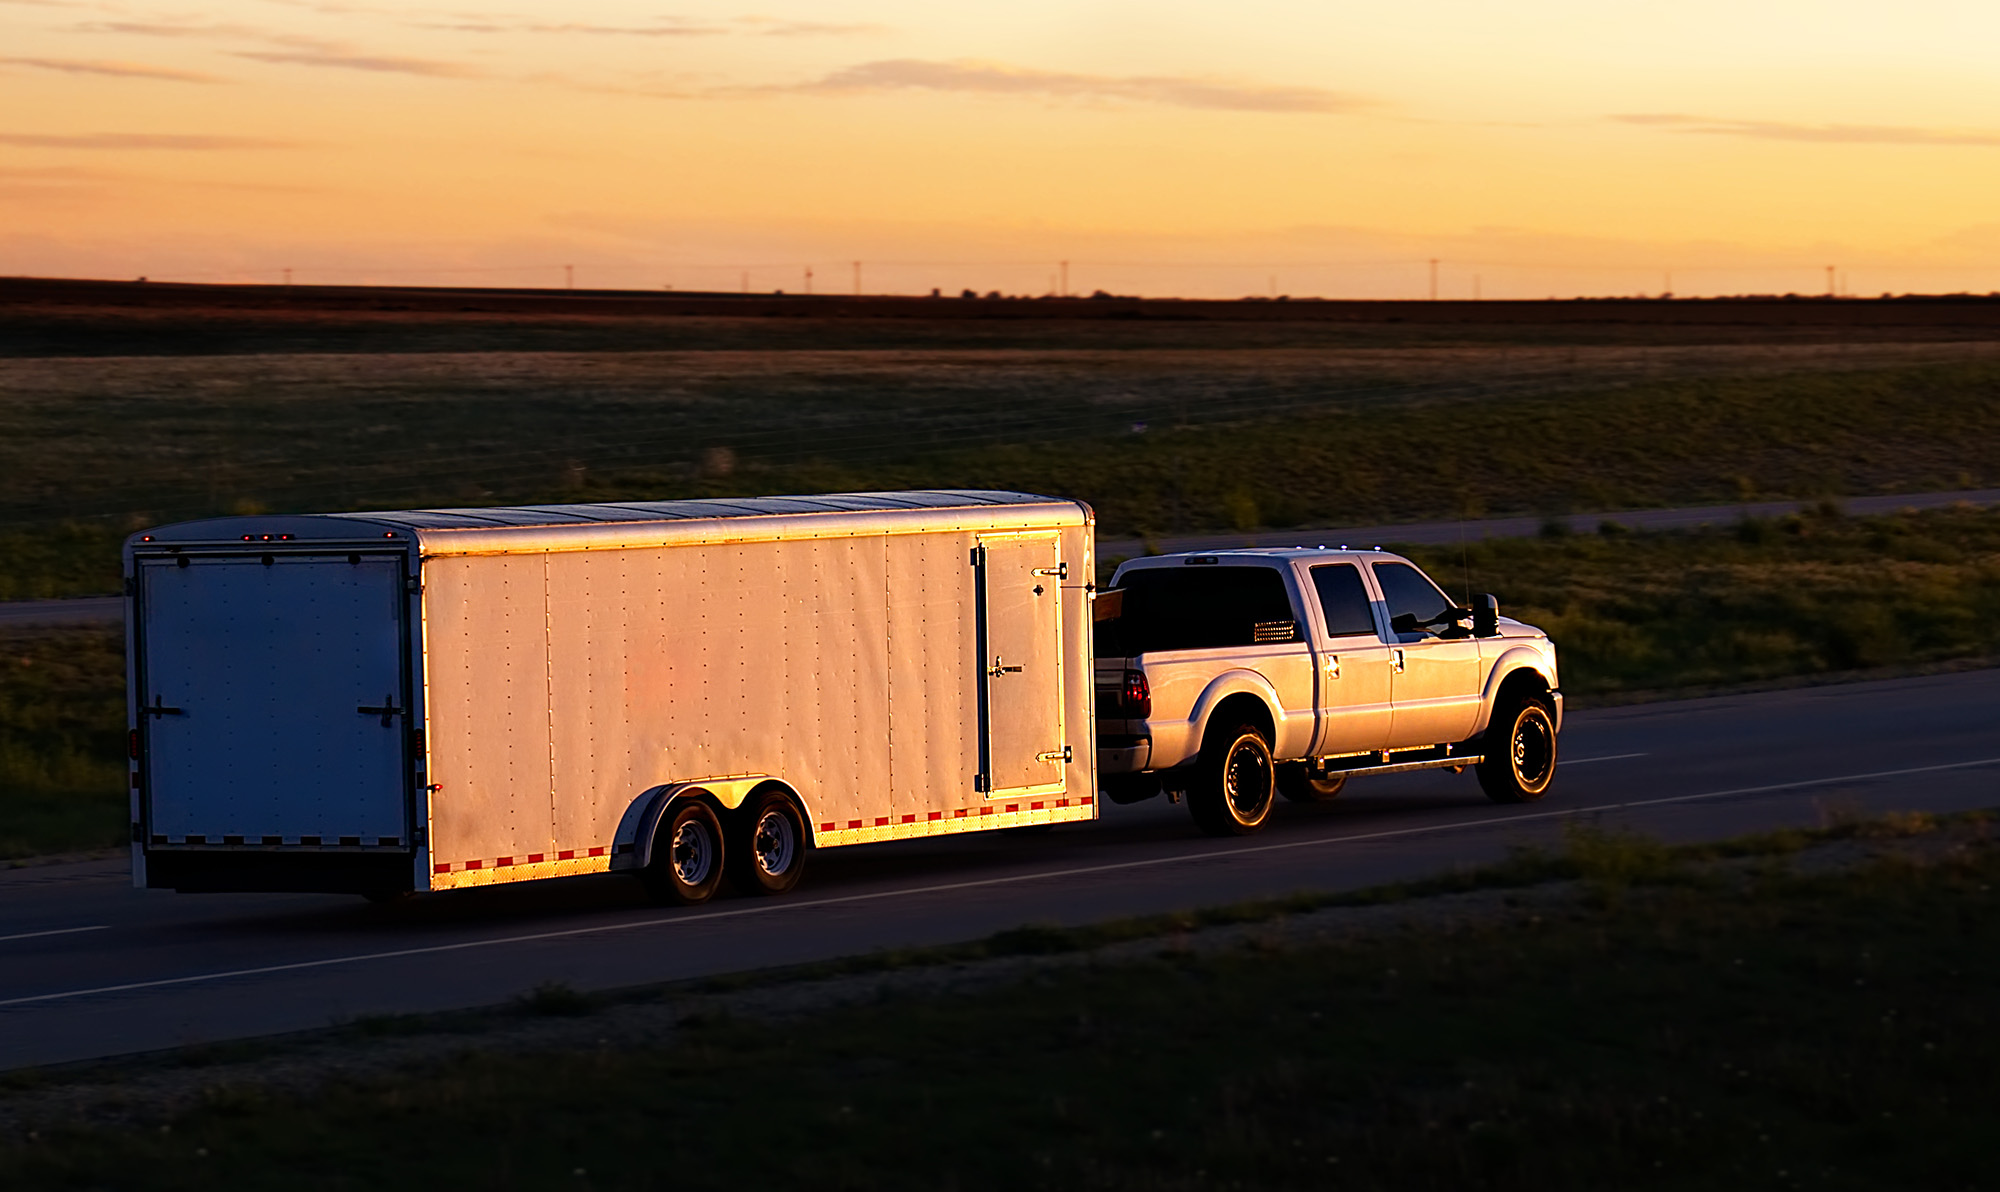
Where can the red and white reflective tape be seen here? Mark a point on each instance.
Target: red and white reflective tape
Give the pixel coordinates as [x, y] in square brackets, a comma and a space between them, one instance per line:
[884, 821]
[568, 854]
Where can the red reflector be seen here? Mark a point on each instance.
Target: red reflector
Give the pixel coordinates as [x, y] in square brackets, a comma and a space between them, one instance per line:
[132, 744]
[1137, 696]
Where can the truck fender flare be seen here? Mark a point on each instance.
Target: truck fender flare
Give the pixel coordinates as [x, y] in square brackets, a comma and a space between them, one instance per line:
[1238, 681]
[1518, 658]
[632, 848]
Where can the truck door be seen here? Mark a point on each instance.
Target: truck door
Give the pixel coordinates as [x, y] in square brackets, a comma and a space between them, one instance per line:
[1435, 680]
[1354, 665]
[1021, 738]
[274, 700]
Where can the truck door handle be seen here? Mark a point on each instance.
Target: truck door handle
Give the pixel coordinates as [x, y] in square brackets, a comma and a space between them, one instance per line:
[159, 708]
[388, 710]
[1333, 666]
[997, 670]
[1397, 656]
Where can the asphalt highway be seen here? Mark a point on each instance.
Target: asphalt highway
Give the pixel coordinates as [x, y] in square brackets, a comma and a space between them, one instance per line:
[90, 967]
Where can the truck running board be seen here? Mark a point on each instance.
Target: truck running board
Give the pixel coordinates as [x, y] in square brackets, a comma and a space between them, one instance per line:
[1429, 763]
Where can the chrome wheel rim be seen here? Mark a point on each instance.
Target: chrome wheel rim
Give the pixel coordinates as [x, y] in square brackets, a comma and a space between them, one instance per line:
[1247, 782]
[1533, 749]
[693, 853]
[775, 843]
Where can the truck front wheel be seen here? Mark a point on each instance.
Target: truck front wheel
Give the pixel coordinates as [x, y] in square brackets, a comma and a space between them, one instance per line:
[1520, 751]
[687, 855]
[1235, 782]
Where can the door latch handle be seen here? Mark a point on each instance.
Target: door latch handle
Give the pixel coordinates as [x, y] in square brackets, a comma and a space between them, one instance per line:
[996, 670]
[388, 710]
[1060, 571]
[1399, 659]
[1333, 666]
[159, 708]
[1056, 755]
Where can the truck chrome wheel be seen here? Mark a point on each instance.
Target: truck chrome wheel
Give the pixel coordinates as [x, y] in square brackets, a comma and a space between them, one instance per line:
[686, 865]
[768, 854]
[1236, 785]
[1520, 754]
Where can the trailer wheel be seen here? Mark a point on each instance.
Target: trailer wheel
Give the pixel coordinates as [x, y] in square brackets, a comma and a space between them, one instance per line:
[687, 855]
[1298, 782]
[1520, 749]
[1235, 783]
[768, 855]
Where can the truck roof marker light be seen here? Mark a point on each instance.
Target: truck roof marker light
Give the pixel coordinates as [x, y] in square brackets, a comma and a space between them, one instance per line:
[145, 538]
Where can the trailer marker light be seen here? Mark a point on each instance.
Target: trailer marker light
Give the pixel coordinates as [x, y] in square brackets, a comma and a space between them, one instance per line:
[909, 819]
[937, 815]
[959, 814]
[566, 854]
[598, 851]
[502, 862]
[881, 820]
[1083, 802]
[535, 858]
[441, 867]
[1032, 807]
[826, 827]
[475, 864]
[853, 823]
[145, 538]
[132, 744]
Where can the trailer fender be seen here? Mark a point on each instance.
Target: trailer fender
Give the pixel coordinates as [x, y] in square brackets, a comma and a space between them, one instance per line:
[633, 846]
[1514, 661]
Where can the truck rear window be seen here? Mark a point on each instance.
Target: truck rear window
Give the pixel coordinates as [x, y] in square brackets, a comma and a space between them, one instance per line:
[1195, 608]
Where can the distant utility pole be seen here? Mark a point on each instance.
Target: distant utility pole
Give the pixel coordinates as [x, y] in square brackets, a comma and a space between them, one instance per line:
[857, 279]
[1064, 290]
[1475, 287]
[569, 276]
[746, 281]
[288, 277]
[1829, 281]
[809, 279]
[1668, 292]
[1434, 279]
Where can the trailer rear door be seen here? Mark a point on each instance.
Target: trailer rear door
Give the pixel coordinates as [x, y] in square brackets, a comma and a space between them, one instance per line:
[274, 699]
[1020, 633]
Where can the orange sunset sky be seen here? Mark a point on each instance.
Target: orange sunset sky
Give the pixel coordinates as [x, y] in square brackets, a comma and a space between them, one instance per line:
[1541, 147]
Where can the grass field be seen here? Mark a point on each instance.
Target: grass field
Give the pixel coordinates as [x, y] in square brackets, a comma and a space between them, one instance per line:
[1671, 1028]
[1159, 442]
[1807, 595]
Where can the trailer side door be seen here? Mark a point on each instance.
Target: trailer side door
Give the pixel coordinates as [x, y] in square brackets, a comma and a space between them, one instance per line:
[1020, 653]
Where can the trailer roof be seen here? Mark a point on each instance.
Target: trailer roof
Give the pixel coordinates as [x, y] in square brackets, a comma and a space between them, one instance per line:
[648, 511]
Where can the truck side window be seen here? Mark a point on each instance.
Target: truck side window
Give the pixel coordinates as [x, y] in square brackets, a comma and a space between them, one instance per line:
[1195, 608]
[1408, 590]
[1342, 600]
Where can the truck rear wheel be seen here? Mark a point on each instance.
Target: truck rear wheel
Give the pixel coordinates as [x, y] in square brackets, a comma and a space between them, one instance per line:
[768, 855]
[1520, 749]
[1300, 783]
[687, 855]
[1235, 783]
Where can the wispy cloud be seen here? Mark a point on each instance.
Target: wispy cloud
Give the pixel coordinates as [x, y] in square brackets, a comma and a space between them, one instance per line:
[166, 29]
[992, 78]
[126, 70]
[340, 59]
[662, 27]
[1825, 134]
[137, 140]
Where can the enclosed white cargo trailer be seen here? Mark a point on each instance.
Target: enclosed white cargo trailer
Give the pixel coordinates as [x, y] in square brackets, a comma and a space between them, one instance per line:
[429, 699]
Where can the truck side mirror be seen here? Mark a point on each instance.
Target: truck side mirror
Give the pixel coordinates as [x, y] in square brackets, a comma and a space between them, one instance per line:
[1404, 623]
[1486, 615]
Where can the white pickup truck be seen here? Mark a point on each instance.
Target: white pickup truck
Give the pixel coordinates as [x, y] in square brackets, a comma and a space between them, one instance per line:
[1238, 676]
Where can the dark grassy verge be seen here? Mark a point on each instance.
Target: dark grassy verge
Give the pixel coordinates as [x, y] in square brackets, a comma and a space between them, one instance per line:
[1734, 1029]
[62, 740]
[1804, 596]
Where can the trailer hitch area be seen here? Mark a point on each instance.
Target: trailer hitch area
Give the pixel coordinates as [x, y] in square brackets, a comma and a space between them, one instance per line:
[388, 710]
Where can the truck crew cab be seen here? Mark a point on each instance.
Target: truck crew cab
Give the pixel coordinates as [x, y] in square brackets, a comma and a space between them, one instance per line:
[1238, 676]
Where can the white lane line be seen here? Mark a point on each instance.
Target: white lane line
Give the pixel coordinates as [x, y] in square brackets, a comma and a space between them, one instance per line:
[1609, 757]
[1080, 871]
[35, 935]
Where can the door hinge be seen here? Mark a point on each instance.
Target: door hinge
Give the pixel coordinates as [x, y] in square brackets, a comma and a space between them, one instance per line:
[159, 708]
[388, 710]
[996, 670]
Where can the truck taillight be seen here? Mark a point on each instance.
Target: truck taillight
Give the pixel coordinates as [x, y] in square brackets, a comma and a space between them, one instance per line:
[132, 744]
[1136, 698]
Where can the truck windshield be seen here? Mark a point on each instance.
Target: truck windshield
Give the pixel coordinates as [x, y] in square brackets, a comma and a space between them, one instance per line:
[1194, 608]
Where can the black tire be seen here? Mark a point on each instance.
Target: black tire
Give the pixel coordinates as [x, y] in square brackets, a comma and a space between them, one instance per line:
[1235, 783]
[1298, 782]
[1520, 749]
[1128, 788]
[686, 866]
[768, 853]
